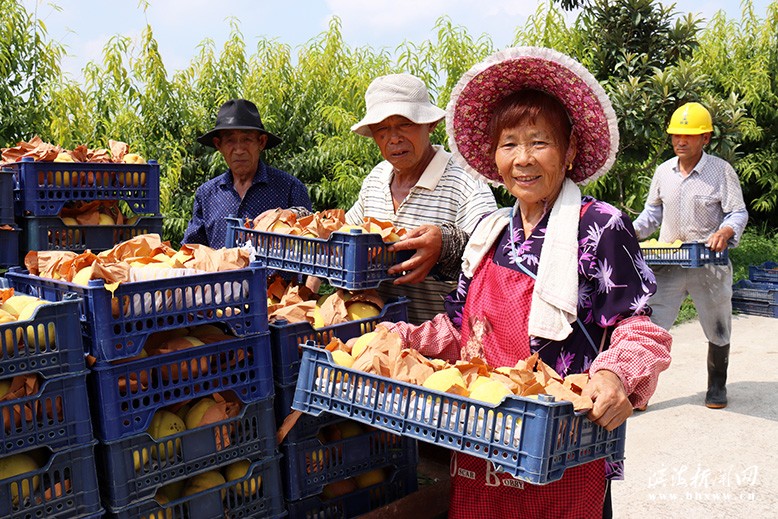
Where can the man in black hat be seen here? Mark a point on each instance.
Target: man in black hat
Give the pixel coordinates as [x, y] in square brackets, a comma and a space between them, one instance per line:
[249, 186]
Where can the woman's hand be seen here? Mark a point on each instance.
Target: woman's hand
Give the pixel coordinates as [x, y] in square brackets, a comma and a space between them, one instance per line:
[611, 405]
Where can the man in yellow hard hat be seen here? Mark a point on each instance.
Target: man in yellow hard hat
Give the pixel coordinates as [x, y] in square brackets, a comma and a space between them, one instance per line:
[696, 197]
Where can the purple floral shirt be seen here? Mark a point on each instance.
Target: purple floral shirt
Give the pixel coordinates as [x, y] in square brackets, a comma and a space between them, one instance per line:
[614, 281]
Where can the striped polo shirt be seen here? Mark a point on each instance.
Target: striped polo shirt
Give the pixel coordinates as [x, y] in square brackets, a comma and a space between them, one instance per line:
[445, 193]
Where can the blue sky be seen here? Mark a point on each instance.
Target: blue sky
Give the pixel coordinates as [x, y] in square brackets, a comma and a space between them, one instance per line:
[84, 26]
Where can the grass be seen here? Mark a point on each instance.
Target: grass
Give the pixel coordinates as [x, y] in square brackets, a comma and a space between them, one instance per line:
[757, 245]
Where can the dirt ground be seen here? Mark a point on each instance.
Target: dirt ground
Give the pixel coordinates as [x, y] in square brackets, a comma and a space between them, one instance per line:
[685, 460]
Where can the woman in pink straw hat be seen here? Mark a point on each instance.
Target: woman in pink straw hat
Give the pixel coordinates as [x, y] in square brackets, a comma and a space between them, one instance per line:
[558, 274]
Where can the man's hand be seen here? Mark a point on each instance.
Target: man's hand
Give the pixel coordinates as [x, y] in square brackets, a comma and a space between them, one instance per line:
[427, 240]
[719, 239]
[611, 405]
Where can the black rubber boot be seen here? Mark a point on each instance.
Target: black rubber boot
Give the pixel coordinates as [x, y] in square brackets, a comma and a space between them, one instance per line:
[718, 360]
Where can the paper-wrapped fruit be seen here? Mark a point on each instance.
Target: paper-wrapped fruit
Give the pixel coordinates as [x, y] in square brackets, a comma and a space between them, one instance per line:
[296, 303]
[381, 353]
[322, 225]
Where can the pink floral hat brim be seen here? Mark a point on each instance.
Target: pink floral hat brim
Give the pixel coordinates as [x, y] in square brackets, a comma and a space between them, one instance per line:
[486, 83]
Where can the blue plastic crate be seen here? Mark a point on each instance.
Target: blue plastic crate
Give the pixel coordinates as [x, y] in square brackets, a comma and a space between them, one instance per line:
[9, 247]
[249, 435]
[117, 327]
[767, 272]
[47, 355]
[43, 188]
[226, 500]
[126, 395]
[7, 185]
[354, 261]
[310, 465]
[57, 417]
[286, 337]
[690, 255]
[747, 306]
[49, 233]
[66, 488]
[533, 440]
[306, 425]
[402, 483]
[756, 292]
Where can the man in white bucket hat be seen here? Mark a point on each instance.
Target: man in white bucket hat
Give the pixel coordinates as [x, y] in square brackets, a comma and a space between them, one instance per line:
[419, 187]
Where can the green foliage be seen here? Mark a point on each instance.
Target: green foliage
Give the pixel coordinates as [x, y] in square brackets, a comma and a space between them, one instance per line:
[741, 58]
[649, 58]
[29, 64]
[758, 245]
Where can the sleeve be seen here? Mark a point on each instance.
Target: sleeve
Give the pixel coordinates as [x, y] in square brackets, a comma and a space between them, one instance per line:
[733, 205]
[195, 230]
[356, 214]
[648, 221]
[454, 241]
[300, 196]
[639, 352]
[736, 220]
[618, 281]
[438, 338]
[476, 202]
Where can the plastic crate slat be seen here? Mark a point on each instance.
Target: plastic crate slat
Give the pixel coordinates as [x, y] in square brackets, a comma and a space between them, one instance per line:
[402, 483]
[9, 246]
[43, 188]
[767, 272]
[310, 465]
[266, 502]
[355, 261]
[50, 233]
[73, 470]
[757, 292]
[249, 435]
[690, 255]
[48, 356]
[7, 185]
[755, 307]
[57, 417]
[532, 440]
[117, 327]
[127, 395]
[307, 425]
[286, 337]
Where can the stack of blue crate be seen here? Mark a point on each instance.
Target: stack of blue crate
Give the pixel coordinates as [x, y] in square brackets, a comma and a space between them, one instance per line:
[47, 466]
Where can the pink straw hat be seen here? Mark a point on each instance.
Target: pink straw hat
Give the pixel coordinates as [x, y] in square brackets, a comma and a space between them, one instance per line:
[486, 83]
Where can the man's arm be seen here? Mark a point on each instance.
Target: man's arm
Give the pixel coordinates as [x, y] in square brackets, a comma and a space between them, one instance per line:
[649, 220]
[729, 232]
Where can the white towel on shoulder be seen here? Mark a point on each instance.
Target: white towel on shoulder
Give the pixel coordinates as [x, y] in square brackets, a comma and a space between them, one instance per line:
[555, 296]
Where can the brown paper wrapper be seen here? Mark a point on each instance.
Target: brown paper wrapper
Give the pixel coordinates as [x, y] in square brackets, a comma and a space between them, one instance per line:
[14, 415]
[39, 150]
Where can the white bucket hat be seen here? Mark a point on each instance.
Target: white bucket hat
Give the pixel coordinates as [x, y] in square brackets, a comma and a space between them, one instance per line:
[397, 94]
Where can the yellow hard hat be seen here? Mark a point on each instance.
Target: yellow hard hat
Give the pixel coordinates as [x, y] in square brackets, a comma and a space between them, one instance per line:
[690, 119]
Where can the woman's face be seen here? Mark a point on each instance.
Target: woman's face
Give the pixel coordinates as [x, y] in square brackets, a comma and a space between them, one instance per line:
[531, 161]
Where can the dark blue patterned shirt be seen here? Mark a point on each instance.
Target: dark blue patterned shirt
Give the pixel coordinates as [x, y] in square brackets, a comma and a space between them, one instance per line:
[217, 198]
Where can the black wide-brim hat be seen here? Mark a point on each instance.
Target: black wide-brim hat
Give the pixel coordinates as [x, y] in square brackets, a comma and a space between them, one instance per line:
[238, 114]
